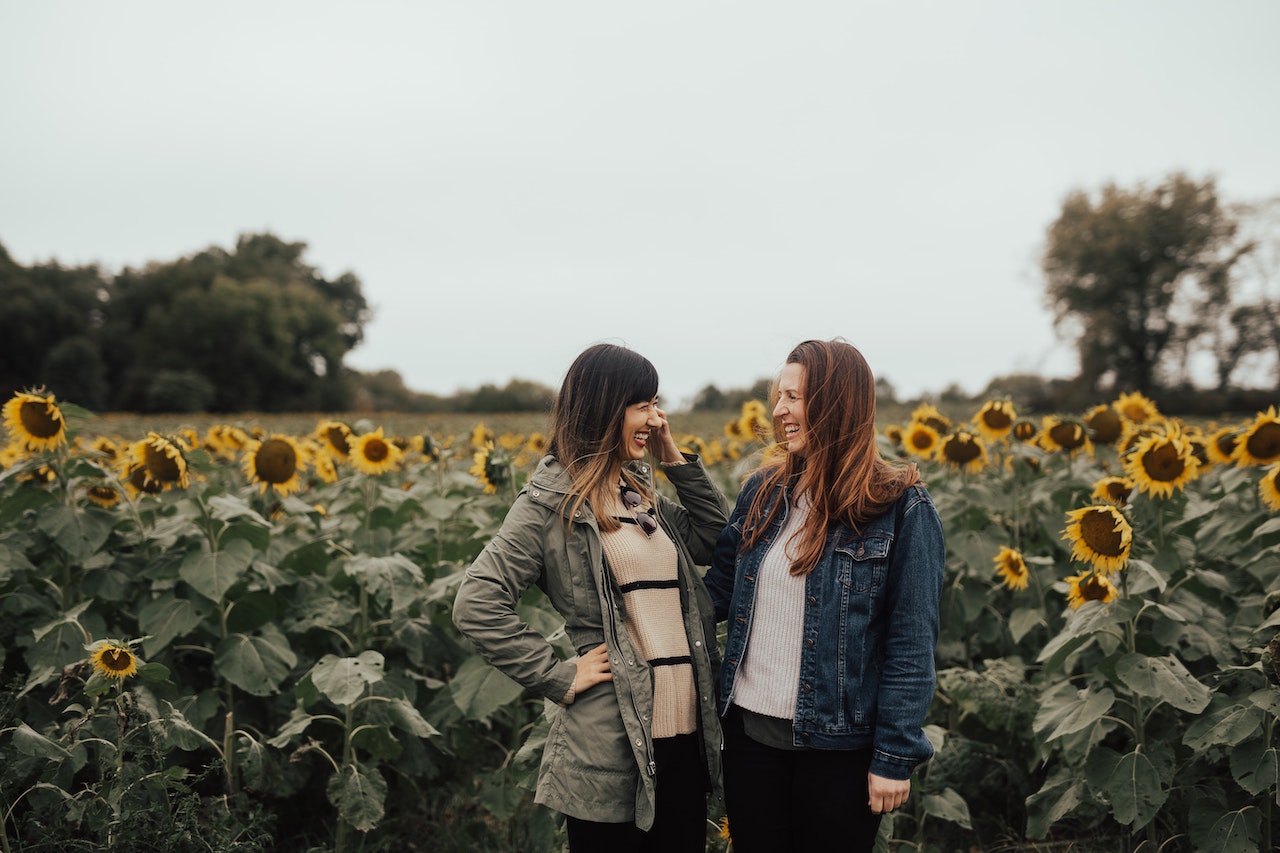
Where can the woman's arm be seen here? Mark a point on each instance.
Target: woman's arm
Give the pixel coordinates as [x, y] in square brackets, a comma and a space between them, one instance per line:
[484, 610]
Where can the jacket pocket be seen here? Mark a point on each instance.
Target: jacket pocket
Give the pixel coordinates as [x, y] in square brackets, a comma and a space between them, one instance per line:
[862, 563]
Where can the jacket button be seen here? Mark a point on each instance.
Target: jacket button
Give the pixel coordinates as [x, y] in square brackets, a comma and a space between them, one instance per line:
[807, 688]
[813, 600]
[637, 741]
[697, 644]
[536, 493]
[809, 642]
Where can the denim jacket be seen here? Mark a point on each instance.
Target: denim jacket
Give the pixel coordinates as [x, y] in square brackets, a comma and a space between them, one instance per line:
[870, 629]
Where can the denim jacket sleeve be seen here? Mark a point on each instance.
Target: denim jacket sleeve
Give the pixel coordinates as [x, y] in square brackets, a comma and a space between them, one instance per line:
[908, 680]
[719, 578]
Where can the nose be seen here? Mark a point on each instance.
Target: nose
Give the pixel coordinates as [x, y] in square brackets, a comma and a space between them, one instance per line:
[779, 409]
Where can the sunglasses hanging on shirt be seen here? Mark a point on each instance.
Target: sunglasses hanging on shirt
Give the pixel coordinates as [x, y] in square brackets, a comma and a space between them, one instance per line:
[644, 519]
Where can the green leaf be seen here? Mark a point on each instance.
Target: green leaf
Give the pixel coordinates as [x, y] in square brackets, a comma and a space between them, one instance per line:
[1058, 797]
[358, 796]
[1022, 620]
[169, 725]
[165, 618]
[394, 578]
[1164, 678]
[78, 532]
[1135, 790]
[28, 741]
[228, 507]
[212, 574]
[343, 680]
[1234, 832]
[255, 664]
[378, 741]
[406, 716]
[949, 806]
[1223, 727]
[479, 690]
[297, 723]
[1255, 769]
[1081, 711]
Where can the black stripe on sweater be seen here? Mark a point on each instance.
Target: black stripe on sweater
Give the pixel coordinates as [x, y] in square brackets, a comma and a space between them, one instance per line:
[673, 583]
[671, 661]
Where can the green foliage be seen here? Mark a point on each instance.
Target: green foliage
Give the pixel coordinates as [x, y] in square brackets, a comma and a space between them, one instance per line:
[299, 678]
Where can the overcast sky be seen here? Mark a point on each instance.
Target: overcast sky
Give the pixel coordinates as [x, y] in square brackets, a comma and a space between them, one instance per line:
[707, 182]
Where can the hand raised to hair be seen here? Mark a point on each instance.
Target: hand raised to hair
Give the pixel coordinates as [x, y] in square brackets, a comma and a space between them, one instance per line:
[667, 451]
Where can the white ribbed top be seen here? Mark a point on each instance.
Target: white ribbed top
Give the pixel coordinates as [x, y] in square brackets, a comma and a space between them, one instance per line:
[769, 675]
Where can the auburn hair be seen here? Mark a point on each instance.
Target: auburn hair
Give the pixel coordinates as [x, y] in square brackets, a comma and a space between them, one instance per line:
[840, 471]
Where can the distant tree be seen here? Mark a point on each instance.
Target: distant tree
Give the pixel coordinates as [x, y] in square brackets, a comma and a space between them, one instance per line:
[258, 325]
[709, 399]
[519, 395]
[1244, 338]
[1129, 273]
[50, 318]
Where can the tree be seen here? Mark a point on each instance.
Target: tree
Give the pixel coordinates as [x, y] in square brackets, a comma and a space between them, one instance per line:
[1132, 273]
[49, 330]
[258, 325]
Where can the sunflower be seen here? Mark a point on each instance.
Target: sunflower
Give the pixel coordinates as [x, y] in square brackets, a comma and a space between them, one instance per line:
[112, 659]
[1025, 429]
[103, 495]
[480, 436]
[1064, 434]
[225, 440]
[995, 419]
[928, 414]
[321, 461]
[536, 446]
[491, 468]
[161, 460]
[1221, 444]
[1104, 423]
[964, 450]
[35, 421]
[894, 433]
[432, 450]
[275, 463]
[11, 454]
[371, 453]
[1269, 488]
[1012, 568]
[1259, 442]
[1159, 464]
[1090, 586]
[738, 430]
[1136, 408]
[137, 481]
[756, 420]
[921, 440]
[336, 438]
[1116, 490]
[1099, 535]
[105, 449]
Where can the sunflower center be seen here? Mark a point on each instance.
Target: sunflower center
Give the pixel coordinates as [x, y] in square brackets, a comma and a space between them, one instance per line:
[162, 466]
[1069, 436]
[376, 450]
[997, 419]
[1098, 530]
[921, 440]
[338, 439]
[1106, 426]
[1263, 443]
[961, 450]
[1164, 463]
[275, 462]
[1093, 589]
[139, 480]
[117, 660]
[37, 420]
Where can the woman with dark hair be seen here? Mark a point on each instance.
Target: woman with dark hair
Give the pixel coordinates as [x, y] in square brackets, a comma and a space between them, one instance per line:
[829, 574]
[634, 748]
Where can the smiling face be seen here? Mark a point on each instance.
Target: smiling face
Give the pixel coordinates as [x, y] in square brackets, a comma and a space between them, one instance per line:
[789, 409]
[637, 420]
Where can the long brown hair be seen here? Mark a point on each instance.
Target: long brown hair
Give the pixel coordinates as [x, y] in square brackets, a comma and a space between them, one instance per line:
[586, 423]
[841, 470]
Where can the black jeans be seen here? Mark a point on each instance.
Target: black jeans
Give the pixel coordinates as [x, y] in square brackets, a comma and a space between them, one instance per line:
[808, 799]
[680, 816]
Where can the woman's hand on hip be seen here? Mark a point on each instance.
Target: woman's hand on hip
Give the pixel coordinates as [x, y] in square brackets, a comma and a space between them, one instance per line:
[593, 668]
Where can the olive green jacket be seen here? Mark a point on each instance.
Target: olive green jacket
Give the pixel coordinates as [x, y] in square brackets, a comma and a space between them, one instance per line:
[598, 761]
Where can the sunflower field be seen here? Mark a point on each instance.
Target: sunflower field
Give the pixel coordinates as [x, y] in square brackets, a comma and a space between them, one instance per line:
[238, 637]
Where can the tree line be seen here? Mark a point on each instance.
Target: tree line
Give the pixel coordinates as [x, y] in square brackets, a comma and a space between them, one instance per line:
[1156, 286]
